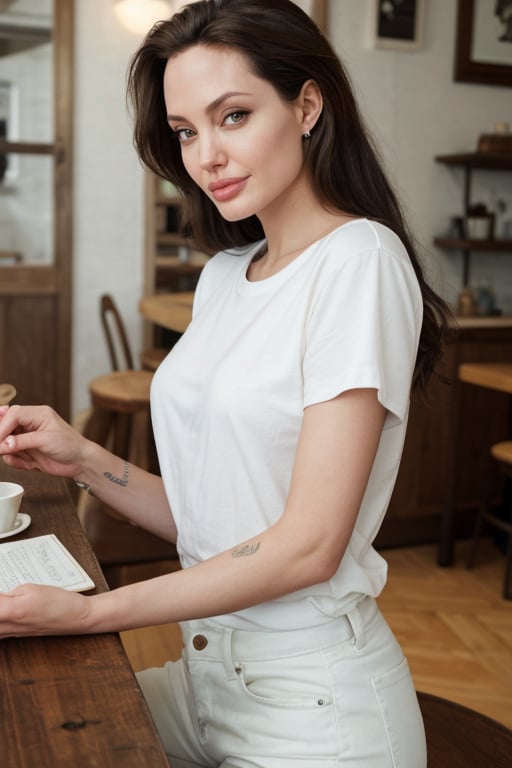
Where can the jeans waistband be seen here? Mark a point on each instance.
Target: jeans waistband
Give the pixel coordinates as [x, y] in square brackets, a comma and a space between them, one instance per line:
[207, 640]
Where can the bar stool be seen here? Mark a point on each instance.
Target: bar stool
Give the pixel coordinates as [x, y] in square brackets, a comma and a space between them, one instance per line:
[459, 737]
[502, 453]
[122, 396]
[117, 398]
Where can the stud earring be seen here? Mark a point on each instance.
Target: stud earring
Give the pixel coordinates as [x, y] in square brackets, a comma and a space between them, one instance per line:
[306, 135]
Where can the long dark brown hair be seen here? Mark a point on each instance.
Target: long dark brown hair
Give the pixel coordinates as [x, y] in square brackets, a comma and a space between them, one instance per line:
[283, 46]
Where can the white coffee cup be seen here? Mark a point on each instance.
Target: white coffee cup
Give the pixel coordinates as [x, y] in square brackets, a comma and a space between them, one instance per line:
[10, 500]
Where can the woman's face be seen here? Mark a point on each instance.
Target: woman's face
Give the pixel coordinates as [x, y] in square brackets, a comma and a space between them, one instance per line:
[240, 142]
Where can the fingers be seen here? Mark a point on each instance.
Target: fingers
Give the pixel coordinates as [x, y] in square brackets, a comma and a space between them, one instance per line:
[22, 461]
[21, 427]
[24, 441]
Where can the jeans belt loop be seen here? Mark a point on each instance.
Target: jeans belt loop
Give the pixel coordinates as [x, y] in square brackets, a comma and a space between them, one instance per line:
[227, 653]
[356, 622]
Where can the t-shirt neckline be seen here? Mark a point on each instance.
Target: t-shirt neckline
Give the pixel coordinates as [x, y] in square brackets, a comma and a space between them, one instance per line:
[268, 283]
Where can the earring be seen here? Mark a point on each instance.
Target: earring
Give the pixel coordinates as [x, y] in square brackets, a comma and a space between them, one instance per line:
[306, 135]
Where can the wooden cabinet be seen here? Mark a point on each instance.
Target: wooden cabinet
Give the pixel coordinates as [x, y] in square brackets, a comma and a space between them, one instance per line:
[471, 162]
[448, 438]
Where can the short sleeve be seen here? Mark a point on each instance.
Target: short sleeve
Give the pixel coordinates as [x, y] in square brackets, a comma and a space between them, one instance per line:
[363, 330]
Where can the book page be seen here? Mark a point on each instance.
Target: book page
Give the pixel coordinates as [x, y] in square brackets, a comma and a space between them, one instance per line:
[41, 560]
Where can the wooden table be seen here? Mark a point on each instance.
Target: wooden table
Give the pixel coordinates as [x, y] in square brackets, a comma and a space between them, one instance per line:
[169, 310]
[69, 701]
[495, 376]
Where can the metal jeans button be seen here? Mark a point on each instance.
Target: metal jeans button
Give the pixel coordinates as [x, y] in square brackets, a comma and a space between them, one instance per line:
[199, 642]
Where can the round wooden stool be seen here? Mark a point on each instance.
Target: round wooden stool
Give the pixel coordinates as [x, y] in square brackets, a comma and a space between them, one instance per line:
[459, 737]
[116, 398]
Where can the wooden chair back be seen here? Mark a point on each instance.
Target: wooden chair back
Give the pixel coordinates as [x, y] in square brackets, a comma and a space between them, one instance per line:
[115, 335]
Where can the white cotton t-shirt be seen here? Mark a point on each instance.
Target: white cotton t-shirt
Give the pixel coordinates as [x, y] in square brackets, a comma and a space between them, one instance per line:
[228, 401]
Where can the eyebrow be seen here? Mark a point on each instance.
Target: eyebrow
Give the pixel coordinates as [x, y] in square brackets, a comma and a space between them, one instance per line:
[214, 104]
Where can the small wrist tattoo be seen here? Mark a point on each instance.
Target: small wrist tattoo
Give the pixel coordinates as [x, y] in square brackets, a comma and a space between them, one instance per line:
[245, 551]
[123, 481]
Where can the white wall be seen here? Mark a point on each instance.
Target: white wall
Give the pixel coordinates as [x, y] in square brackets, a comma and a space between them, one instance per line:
[108, 191]
[411, 103]
[417, 111]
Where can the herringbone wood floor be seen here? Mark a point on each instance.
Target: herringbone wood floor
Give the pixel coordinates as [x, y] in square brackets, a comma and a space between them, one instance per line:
[453, 624]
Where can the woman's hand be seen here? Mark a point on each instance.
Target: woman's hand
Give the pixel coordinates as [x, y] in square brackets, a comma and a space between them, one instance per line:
[35, 437]
[32, 609]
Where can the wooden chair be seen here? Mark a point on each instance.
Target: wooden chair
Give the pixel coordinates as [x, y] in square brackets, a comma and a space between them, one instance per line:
[502, 453]
[117, 341]
[459, 737]
[119, 399]
[120, 421]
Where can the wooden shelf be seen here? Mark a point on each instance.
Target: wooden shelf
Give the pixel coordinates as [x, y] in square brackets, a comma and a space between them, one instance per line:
[497, 245]
[171, 239]
[165, 243]
[470, 161]
[492, 160]
[174, 264]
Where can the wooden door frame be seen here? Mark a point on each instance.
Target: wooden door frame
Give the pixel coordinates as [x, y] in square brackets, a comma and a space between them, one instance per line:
[55, 279]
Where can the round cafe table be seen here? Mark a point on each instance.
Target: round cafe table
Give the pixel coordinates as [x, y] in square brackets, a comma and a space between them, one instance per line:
[168, 310]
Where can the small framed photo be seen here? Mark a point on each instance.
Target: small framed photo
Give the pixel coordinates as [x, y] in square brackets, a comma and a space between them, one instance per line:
[483, 51]
[398, 24]
[317, 9]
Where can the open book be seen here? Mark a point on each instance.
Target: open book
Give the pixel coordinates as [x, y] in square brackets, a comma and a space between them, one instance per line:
[41, 560]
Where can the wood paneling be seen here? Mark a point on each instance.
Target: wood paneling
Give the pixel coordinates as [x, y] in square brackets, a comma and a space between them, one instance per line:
[28, 347]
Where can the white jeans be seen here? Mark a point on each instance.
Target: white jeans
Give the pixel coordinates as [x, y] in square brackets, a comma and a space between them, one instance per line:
[339, 694]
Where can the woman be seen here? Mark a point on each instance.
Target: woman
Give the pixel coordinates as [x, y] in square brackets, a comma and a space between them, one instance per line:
[280, 415]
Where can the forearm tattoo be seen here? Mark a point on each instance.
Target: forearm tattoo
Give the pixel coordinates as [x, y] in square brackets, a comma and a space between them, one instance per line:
[123, 481]
[246, 550]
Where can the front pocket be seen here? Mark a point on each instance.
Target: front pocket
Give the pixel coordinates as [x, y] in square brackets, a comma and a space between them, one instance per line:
[280, 690]
[401, 716]
[289, 703]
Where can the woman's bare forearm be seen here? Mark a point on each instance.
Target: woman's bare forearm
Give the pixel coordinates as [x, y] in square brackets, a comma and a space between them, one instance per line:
[36, 437]
[136, 494]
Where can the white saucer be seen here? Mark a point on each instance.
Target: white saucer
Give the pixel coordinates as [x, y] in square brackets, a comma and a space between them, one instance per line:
[22, 522]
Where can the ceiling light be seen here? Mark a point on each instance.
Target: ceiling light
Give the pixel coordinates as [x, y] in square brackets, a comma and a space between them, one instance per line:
[139, 15]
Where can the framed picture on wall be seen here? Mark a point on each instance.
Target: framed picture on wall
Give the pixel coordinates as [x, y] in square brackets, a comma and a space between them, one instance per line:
[398, 24]
[316, 9]
[483, 50]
